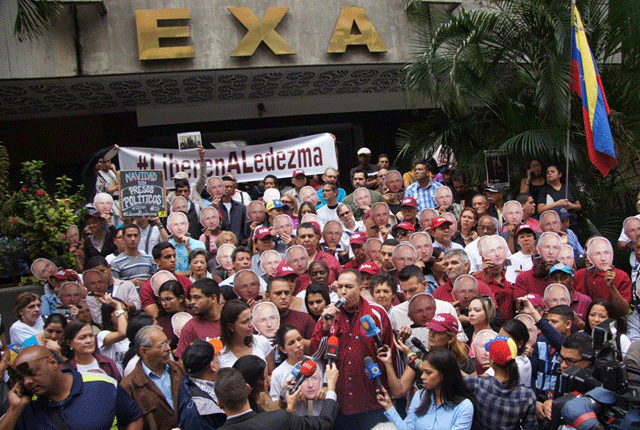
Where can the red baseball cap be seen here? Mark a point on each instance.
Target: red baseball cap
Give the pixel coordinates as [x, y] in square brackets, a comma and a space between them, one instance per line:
[404, 226]
[443, 322]
[283, 271]
[358, 238]
[298, 172]
[261, 232]
[535, 300]
[438, 221]
[409, 201]
[369, 267]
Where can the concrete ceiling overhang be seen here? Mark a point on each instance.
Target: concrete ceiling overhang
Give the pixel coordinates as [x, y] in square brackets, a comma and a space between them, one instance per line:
[215, 95]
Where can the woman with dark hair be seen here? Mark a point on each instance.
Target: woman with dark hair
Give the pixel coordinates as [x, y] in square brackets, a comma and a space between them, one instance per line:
[554, 194]
[598, 312]
[79, 345]
[172, 301]
[518, 331]
[198, 260]
[507, 404]
[112, 339]
[482, 313]
[305, 208]
[236, 334]
[131, 357]
[534, 180]
[435, 270]
[316, 298]
[467, 225]
[255, 373]
[443, 403]
[51, 337]
[29, 323]
[291, 348]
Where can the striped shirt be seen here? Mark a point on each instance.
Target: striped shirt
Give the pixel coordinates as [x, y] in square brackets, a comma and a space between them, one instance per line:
[424, 196]
[126, 267]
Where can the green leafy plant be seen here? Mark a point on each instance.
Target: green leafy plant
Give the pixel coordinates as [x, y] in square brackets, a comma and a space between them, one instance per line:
[35, 221]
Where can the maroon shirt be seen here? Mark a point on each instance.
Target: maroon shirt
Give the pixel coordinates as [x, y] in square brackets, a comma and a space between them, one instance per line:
[197, 328]
[148, 298]
[356, 393]
[443, 292]
[598, 288]
[300, 320]
[527, 283]
[503, 292]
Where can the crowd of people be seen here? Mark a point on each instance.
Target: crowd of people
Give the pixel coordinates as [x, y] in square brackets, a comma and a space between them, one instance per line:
[412, 298]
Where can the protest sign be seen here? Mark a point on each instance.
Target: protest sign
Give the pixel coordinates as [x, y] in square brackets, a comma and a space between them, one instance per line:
[313, 154]
[142, 193]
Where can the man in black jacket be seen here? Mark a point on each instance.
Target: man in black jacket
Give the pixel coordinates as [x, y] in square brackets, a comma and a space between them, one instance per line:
[234, 214]
[233, 393]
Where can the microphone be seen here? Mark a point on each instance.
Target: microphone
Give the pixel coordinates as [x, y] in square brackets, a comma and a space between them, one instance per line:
[372, 330]
[372, 370]
[338, 305]
[307, 370]
[332, 350]
[418, 344]
[296, 371]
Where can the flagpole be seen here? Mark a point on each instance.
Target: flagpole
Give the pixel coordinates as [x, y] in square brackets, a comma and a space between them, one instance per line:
[566, 176]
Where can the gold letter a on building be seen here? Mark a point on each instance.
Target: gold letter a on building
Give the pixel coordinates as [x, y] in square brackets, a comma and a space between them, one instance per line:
[342, 36]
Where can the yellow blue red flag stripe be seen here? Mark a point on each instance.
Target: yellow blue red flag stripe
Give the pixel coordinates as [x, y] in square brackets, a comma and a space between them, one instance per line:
[595, 110]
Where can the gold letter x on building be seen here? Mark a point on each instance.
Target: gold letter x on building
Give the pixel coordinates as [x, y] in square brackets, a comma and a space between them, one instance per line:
[261, 31]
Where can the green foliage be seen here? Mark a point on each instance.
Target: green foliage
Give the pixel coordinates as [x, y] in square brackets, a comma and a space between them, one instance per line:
[33, 17]
[499, 79]
[35, 221]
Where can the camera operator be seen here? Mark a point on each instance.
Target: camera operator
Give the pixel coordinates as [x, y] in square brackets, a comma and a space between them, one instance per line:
[577, 351]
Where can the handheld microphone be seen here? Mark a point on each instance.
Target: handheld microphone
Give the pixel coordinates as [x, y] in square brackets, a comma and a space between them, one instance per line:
[307, 370]
[338, 305]
[296, 371]
[418, 344]
[332, 350]
[372, 330]
[372, 370]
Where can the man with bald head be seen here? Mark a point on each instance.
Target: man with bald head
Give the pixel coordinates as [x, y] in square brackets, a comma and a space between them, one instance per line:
[444, 199]
[66, 394]
[536, 279]
[603, 281]
[494, 251]
[487, 226]
[630, 234]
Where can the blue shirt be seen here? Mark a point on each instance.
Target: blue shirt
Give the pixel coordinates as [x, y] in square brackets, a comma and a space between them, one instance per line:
[182, 256]
[80, 410]
[444, 416]
[49, 304]
[424, 196]
[162, 382]
[321, 201]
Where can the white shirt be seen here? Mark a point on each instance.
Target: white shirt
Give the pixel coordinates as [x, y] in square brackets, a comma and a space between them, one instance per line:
[475, 261]
[325, 214]
[280, 376]
[20, 331]
[452, 245]
[399, 316]
[114, 351]
[261, 347]
[623, 236]
[519, 263]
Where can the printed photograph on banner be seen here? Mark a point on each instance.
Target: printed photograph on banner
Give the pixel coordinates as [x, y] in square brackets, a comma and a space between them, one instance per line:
[189, 141]
[497, 165]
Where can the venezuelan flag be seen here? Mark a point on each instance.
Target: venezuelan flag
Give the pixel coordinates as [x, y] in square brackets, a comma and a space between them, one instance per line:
[585, 81]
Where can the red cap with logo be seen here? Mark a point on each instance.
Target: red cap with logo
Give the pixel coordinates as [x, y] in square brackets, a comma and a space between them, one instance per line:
[438, 221]
[261, 232]
[283, 271]
[358, 238]
[443, 322]
[409, 201]
[369, 267]
[298, 172]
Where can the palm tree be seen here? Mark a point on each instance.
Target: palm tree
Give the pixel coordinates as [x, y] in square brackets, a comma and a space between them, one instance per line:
[500, 80]
[33, 17]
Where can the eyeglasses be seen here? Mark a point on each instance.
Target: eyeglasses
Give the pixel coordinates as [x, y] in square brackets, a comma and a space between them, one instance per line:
[161, 345]
[570, 361]
[344, 213]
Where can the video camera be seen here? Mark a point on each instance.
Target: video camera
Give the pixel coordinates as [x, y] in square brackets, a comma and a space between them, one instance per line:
[607, 372]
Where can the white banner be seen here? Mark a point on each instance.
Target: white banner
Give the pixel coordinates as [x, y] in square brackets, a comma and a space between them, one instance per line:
[313, 154]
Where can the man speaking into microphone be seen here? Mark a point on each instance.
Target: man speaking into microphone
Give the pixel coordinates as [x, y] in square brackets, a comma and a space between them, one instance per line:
[359, 408]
